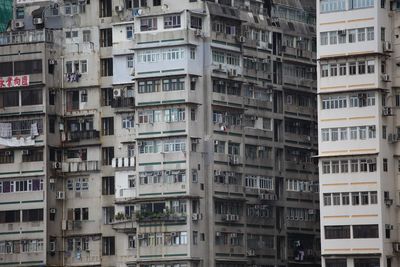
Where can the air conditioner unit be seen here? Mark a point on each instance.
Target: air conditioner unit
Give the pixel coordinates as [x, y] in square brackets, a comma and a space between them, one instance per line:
[19, 24]
[342, 32]
[60, 195]
[25, 152]
[56, 165]
[217, 172]
[242, 39]
[251, 252]
[198, 33]
[119, 8]
[139, 143]
[195, 216]
[218, 234]
[387, 111]
[52, 210]
[387, 47]
[37, 21]
[311, 211]
[117, 93]
[385, 77]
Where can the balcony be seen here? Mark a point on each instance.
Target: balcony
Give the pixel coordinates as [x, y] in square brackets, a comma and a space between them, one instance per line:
[85, 166]
[26, 37]
[144, 217]
[82, 135]
[123, 102]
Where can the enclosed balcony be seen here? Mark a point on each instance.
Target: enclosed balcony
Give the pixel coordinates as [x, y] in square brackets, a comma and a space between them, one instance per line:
[26, 37]
[82, 135]
[84, 166]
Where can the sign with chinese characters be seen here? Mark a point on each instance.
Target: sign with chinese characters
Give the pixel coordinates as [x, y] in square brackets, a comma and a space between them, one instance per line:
[14, 81]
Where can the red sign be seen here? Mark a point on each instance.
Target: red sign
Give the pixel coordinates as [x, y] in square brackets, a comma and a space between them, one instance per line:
[14, 81]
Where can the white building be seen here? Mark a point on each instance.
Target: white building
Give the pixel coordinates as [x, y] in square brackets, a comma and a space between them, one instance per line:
[358, 166]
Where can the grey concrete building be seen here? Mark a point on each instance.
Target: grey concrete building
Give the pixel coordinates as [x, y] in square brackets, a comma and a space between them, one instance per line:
[159, 133]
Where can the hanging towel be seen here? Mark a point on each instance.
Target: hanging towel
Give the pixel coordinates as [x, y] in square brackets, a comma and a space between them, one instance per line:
[5, 130]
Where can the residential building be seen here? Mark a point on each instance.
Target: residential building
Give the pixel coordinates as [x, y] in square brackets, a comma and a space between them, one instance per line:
[358, 163]
[159, 133]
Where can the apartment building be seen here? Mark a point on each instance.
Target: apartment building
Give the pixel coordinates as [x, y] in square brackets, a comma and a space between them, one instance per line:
[358, 133]
[159, 133]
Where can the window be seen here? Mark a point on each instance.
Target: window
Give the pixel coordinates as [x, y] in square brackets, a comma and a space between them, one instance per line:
[326, 167]
[333, 37]
[365, 231]
[130, 61]
[333, 69]
[6, 156]
[173, 84]
[361, 34]
[131, 241]
[342, 69]
[28, 67]
[327, 200]
[336, 199]
[10, 216]
[84, 66]
[324, 70]
[108, 186]
[19, 12]
[129, 32]
[373, 197]
[337, 232]
[324, 38]
[128, 121]
[105, 8]
[106, 67]
[31, 97]
[107, 155]
[196, 22]
[148, 24]
[32, 155]
[361, 67]
[345, 199]
[108, 246]
[355, 198]
[364, 198]
[86, 36]
[385, 165]
[383, 37]
[106, 96]
[106, 37]
[107, 126]
[335, 166]
[370, 34]
[172, 21]
[352, 68]
[368, 262]
[344, 166]
[192, 53]
[352, 35]
[32, 215]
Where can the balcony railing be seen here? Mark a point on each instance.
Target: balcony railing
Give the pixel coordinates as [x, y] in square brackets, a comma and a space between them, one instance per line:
[123, 102]
[154, 216]
[24, 37]
[84, 166]
[84, 135]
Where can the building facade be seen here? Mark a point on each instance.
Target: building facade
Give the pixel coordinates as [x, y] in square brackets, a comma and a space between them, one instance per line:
[159, 133]
[357, 96]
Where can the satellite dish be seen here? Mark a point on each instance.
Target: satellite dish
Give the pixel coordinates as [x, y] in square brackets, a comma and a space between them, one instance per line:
[137, 12]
